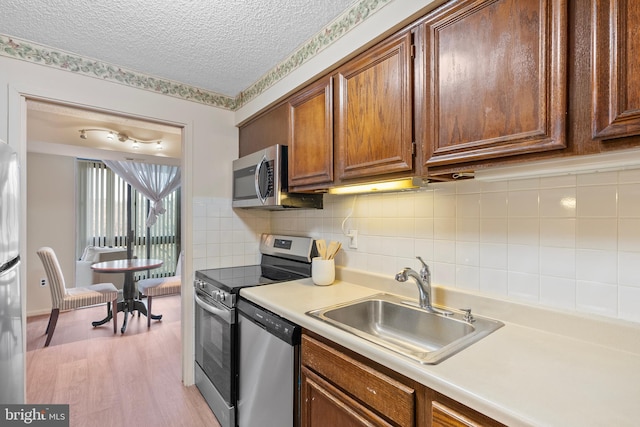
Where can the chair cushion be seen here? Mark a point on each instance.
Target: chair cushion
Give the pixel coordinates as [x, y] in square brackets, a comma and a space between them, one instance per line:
[90, 295]
[160, 286]
[93, 253]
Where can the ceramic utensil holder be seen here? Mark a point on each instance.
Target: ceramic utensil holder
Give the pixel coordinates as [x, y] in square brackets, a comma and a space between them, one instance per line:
[323, 271]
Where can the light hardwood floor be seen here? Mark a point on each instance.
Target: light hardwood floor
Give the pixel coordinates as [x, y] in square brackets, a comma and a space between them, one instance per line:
[131, 379]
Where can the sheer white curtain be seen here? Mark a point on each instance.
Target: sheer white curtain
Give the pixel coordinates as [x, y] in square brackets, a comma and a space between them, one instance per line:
[155, 182]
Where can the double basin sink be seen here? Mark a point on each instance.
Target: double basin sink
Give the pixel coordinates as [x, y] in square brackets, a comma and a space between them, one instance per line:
[402, 326]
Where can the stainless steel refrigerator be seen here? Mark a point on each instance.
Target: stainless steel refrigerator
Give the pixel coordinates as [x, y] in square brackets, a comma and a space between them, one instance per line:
[11, 344]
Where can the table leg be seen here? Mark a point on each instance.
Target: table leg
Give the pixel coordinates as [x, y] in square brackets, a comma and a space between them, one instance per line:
[103, 321]
[128, 305]
[124, 322]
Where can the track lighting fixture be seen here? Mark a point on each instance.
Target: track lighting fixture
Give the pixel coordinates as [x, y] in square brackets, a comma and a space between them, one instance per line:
[122, 137]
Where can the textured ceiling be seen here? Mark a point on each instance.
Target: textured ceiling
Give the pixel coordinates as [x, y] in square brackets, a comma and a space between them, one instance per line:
[221, 46]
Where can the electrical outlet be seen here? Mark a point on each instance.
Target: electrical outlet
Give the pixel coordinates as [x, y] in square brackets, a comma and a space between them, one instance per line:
[43, 282]
[353, 239]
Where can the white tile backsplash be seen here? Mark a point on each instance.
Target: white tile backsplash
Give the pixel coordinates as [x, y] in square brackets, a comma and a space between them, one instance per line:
[494, 205]
[628, 266]
[597, 233]
[597, 201]
[569, 242]
[629, 200]
[523, 203]
[558, 262]
[558, 292]
[524, 286]
[596, 297]
[558, 232]
[596, 265]
[558, 202]
[629, 301]
[629, 234]
[494, 282]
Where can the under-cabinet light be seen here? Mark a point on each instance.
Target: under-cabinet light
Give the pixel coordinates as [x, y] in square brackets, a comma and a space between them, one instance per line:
[381, 187]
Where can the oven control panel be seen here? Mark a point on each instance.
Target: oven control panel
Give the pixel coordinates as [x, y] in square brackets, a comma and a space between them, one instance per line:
[226, 298]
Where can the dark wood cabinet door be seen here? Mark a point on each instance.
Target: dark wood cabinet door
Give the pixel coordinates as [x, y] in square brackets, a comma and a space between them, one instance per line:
[372, 394]
[495, 79]
[265, 130]
[373, 129]
[311, 136]
[325, 405]
[616, 62]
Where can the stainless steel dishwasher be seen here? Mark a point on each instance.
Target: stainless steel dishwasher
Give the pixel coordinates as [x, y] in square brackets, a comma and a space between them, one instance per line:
[268, 392]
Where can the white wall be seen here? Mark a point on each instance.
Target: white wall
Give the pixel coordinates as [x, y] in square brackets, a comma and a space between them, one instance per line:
[50, 222]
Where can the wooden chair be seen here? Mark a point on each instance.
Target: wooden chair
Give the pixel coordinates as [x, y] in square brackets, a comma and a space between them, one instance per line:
[63, 298]
[161, 286]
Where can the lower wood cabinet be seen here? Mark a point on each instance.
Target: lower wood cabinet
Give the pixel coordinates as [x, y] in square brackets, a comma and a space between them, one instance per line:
[340, 388]
[327, 405]
[445, 412]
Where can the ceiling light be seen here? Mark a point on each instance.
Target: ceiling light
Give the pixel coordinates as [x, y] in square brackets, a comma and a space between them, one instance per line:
[381, 187]
[122, 137]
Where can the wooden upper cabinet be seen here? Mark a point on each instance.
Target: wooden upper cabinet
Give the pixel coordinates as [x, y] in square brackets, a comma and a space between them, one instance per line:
[373, 111]
[311, 136]
[616, 61]
[495, 79]
[265, 130]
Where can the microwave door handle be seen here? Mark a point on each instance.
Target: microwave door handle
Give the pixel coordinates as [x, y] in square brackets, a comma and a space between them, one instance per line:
[259, 191]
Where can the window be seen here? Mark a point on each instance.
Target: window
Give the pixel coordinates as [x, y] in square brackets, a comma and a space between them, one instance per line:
[102, 204]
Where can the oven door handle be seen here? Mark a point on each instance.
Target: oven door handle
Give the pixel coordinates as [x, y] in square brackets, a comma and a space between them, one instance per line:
[224, 314]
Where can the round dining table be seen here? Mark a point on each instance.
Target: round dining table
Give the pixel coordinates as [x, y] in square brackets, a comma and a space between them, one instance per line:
[129, 303]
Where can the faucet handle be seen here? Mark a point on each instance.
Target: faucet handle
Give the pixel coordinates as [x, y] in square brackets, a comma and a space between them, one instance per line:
[424, 271]
[468, 317]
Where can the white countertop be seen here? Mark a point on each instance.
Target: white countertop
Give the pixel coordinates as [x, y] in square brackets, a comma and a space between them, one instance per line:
[518, 375]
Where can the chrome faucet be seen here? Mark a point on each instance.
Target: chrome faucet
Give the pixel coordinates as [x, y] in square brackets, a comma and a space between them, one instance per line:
[404, 275]
[425, 274]
[423, 280]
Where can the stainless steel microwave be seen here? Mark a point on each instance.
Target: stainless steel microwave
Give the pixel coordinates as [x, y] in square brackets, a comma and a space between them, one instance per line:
[260, 181]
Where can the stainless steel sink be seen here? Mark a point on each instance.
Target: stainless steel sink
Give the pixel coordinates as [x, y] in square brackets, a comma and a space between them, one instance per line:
[402, 326]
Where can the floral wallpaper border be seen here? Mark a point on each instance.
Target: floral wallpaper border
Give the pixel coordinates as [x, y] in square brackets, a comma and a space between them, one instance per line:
[39, 54]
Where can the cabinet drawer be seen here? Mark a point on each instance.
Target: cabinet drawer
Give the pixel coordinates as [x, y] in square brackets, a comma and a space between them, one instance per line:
[446, 412]
[378, 391]
[326, 405]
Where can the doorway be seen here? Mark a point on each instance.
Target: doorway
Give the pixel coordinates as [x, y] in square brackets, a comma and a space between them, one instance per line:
[53, 143]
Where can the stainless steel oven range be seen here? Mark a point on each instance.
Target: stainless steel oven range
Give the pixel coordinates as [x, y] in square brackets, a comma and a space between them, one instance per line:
[284, 258]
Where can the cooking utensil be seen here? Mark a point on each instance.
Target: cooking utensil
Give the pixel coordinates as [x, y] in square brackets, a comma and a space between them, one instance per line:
[333, 249]
[321, 245]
